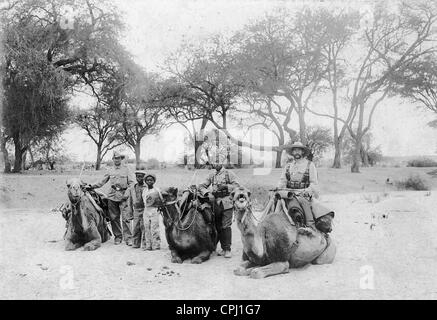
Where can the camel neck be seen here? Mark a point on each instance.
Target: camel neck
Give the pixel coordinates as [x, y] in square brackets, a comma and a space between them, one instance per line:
[247, 224]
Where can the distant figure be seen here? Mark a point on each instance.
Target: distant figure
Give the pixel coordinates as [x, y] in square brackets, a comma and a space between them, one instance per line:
[119, 179]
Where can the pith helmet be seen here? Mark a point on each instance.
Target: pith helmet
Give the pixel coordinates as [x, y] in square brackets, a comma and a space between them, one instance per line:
[298, 145]
[140, 172]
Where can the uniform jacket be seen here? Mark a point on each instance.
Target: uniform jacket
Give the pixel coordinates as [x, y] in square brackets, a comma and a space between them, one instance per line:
[223, 177]
[297, 169]
[119, 178]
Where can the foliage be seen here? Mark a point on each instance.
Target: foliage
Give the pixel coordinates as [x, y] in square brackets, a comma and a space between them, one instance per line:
[319, 140]
[422, 162]
[413, 182]
[51, 151]
[46, 57]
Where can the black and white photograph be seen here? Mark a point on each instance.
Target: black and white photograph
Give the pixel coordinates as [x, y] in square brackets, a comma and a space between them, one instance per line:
[233, 150]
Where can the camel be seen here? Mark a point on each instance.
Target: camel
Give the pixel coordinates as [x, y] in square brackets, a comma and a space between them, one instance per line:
[189, 224]
[86, 225]
[273, 244]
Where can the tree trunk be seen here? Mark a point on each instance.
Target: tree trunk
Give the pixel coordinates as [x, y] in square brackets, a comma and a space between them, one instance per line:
[198, 141]
[23, 161]
[18, 152]
[217, 145]
[137, 149]
[302, 126]
[197, 145]
[278, 159]
[337, 156]
[240, 155]
[356, 157]
[364, 157]
[4, 150]
[99, 157]
[337, 147]
[32, 159]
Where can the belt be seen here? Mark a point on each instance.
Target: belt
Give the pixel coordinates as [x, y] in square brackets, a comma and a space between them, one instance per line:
[118, 188]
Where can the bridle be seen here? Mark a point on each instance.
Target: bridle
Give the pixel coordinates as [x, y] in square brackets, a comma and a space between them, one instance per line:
[163, 209]
[247, 212]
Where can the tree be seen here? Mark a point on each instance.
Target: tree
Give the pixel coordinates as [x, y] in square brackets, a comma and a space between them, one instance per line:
[46, 57]
[369, 154]
[340, 28]
[418, 82]
[319, 139]
[209, 82]
[131, 95]
[383, 47]
[101, 125]
[51, 151]
[392, 42]
[283, 65]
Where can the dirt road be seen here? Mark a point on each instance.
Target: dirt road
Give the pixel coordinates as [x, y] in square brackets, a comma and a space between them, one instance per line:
[387, 249]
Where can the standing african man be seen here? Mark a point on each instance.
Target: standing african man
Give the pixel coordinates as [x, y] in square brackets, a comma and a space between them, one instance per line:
[136, 208]
[119, 178]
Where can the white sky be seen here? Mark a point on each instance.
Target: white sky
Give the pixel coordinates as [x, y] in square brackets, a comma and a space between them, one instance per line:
[157, 27]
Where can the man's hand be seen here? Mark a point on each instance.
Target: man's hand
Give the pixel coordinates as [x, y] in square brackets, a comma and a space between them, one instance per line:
[307, 193]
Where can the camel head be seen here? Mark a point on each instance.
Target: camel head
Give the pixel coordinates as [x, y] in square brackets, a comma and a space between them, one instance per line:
[240, 198]
[75, 191]
[160, 198]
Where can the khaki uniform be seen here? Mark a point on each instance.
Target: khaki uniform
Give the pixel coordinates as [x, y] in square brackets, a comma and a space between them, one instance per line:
[119, 179]
[152, 239]
[302, 174]
[135, 207]
[222, 207]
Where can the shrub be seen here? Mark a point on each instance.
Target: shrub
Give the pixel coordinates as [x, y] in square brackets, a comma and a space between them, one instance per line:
[422, 162]
[413, 182]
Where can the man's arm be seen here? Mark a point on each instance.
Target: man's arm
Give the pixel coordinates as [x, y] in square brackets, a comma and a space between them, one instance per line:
[130, 178]
[233, 183]
[314, 181]
[283, 179]
[203, 187]
[102, 182]
[130, 204]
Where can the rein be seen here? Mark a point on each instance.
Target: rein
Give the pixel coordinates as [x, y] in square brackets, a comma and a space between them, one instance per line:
[177, 222]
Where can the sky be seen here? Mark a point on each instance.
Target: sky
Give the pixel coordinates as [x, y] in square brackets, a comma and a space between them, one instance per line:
[156, 28]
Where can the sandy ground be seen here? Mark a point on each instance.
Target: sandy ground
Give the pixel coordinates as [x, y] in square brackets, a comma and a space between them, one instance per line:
[387, 249]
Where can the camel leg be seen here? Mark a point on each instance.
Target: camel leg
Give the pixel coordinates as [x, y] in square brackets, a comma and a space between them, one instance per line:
[96, 241]
[70, 246]
[175, 258]
[201, 257]
[270, 270]
[245, 268]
